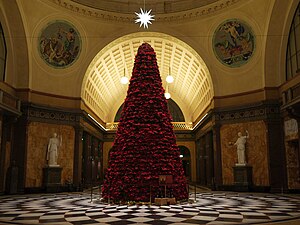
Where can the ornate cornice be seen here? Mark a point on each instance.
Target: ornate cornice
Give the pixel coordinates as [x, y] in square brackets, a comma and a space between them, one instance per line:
[73, 117]
[264, 111]
[165, 17]
[44, 114]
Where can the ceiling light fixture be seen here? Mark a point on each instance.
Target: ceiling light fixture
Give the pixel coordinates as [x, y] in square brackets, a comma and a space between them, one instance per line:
[167, 94]
[144, 17]
[124, 79]
[170, 78]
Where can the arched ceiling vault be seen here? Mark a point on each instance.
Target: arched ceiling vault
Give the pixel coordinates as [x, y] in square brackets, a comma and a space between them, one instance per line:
[192, 88]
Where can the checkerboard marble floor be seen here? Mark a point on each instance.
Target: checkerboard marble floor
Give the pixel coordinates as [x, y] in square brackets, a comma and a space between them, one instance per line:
[209, 208]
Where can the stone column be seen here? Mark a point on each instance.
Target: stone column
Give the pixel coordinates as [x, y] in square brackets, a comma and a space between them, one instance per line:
[19, 150]
[77, 169]
[217, 156]
[277, 161]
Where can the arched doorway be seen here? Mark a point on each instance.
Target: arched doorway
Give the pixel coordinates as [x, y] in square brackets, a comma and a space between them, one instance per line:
[205, 160]
[185, 156]
[92, 160]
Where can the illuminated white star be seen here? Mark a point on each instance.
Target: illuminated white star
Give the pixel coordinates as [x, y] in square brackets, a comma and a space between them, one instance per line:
[144, 18]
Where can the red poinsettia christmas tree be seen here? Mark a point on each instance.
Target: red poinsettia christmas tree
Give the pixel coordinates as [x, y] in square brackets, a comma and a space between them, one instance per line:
[145, 144]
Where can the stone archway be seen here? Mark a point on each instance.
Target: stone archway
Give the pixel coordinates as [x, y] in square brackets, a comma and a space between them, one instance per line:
[192, 89]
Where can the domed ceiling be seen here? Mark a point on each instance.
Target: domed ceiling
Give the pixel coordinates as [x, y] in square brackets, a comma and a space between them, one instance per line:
[165, 10]
[192, 90]
[157, 6]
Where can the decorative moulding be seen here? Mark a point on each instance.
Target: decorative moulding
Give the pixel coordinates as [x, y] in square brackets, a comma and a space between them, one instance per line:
[166, 17]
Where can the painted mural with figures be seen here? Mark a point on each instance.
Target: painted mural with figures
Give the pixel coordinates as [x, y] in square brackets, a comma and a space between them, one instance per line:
[233, 43]
[59, 44]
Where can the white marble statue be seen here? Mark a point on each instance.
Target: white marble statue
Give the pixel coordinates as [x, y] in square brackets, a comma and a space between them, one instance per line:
[52, 152]
[241, 148]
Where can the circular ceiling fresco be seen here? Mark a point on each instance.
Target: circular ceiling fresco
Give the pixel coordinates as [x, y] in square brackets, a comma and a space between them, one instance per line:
[59, 44]
[233, 43]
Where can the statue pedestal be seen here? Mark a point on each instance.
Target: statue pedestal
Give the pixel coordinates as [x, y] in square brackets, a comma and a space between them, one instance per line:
[242, 177]
[52, 178]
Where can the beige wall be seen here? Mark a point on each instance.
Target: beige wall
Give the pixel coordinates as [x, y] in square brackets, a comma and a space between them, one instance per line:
[98, 32]
[292, 160]
[256, 151]
[292, 152]
[38, 137]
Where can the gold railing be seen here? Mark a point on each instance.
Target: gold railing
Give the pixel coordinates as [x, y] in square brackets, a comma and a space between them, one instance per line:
[112, 126]
[176, 126]
[182, 126]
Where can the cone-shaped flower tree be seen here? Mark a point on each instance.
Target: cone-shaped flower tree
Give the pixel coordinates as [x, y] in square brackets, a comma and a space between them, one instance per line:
[145, 144]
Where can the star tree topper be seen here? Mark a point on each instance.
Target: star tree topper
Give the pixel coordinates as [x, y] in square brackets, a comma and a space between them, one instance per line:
[144, 17]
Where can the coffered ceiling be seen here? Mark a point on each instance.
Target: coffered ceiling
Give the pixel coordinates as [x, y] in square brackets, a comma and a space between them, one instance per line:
[192, 89]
